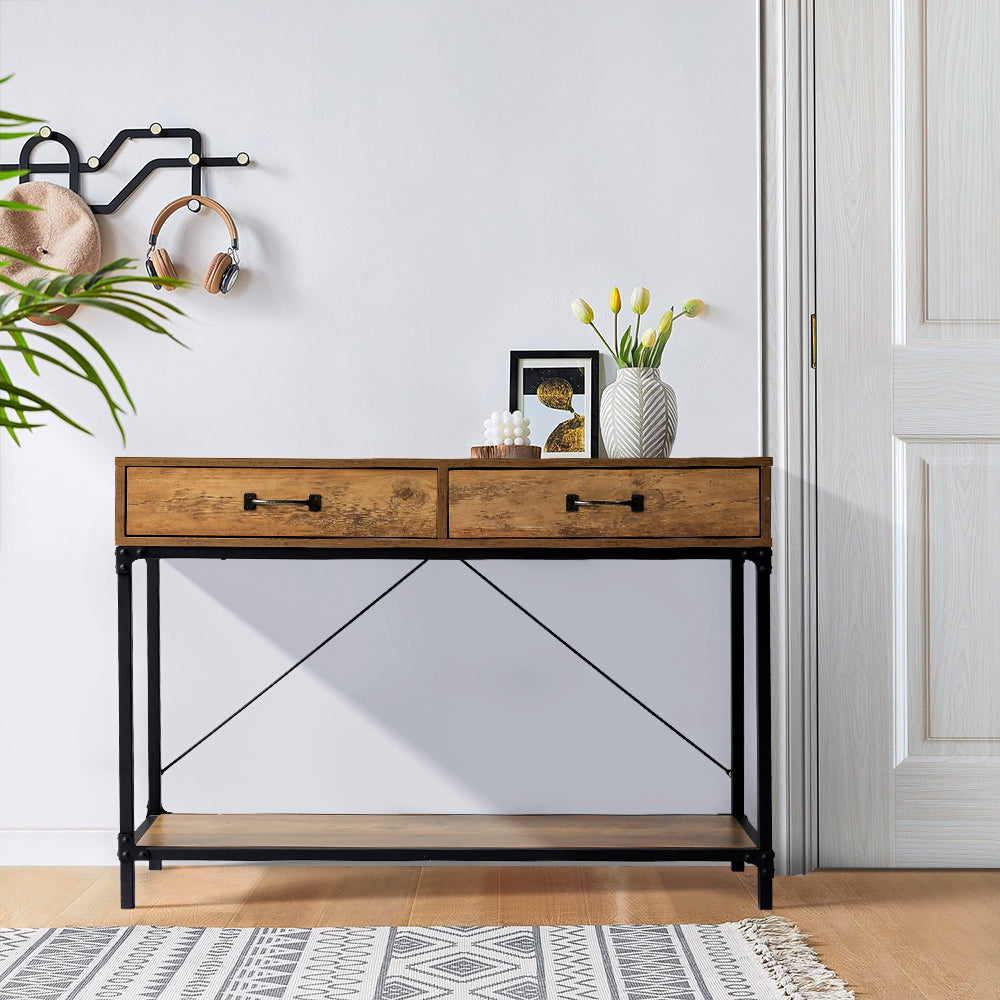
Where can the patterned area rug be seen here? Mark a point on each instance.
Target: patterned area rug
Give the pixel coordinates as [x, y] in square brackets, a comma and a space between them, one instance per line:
[763, 959]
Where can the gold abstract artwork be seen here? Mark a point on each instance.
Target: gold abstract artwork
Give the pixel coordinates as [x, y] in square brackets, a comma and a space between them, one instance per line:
[570, 435]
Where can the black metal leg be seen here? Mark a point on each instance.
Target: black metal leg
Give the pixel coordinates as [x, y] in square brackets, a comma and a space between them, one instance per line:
[738, 666]
[126, 763]
[154, 806]
[128, 885]
[765, 870]
[765, 882]
[759, 853]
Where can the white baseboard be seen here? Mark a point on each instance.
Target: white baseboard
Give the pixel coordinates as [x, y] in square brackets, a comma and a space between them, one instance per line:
[58, 847]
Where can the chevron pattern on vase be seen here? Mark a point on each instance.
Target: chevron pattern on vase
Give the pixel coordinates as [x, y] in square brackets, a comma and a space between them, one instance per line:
[638, 415]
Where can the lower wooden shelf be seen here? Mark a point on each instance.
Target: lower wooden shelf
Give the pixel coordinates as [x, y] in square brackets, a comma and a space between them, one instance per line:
[598, 832]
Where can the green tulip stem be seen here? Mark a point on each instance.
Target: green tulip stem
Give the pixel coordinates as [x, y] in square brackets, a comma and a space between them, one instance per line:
[616, 335]
[603, 341]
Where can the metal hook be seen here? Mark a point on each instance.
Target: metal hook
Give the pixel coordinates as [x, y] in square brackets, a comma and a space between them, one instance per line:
[196, 161]
[73, 154]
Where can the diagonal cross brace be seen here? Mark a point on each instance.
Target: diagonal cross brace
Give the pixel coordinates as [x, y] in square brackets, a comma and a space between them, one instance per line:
[298, 663]
[506, 596]
[594, 666]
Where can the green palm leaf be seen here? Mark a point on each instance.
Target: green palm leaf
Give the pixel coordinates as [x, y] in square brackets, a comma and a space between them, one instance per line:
[14, 255]
[115, 288]
[43, 405]
[87, 371]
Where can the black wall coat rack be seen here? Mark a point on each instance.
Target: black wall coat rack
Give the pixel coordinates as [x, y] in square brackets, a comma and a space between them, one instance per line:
[195, 161]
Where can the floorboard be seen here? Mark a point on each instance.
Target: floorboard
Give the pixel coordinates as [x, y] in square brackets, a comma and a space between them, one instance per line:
[897, 935]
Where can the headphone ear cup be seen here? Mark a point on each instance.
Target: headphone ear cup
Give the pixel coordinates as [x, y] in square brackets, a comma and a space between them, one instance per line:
[216, 269]
[163, 266]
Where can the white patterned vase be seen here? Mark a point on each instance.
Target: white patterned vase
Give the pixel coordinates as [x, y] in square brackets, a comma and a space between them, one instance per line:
[638, 415]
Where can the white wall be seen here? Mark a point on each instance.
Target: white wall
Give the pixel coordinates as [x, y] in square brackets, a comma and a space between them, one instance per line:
[432, 184]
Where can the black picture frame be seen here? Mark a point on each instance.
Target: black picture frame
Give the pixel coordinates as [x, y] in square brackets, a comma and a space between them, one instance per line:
[591, 367]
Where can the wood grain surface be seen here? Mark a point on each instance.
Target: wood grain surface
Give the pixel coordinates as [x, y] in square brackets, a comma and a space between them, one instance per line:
[854, 202]
[405, 503]
[908, 422]
[506, 451]
[892, 935]
[420, 547]
[721, 462]
[947, 392]
[356, 503]
[443, 831]
[531, 503]
[946, 418]
[959, 115]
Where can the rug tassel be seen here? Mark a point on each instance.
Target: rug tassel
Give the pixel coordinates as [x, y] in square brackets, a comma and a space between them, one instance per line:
[790, 962]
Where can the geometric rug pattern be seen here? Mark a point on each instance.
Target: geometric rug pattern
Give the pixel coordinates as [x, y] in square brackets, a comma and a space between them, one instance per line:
[645, 962]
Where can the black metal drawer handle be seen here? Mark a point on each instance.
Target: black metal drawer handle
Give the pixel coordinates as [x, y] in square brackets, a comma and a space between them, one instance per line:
[574, 503]
[250, 502]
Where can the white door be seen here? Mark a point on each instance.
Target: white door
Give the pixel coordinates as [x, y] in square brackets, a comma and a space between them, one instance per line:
[908, 449]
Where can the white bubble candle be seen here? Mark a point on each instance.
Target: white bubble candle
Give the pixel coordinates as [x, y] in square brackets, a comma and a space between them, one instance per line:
[506, 428]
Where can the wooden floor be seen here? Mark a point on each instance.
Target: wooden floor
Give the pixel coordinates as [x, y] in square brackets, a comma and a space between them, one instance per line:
[900, 935]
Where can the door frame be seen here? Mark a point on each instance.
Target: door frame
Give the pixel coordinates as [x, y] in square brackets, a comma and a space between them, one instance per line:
[787, 297]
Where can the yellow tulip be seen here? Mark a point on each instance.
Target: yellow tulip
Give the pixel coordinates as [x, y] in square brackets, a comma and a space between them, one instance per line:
[693, 307]
[616, 300]
[648, 338]
[582, 311]
[666, 322]
[640, 300]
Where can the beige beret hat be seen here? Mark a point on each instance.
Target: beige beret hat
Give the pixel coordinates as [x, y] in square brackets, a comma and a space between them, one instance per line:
[63, 234]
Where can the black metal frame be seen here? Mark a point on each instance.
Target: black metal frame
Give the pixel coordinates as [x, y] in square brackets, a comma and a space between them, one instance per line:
[195, 161]
[129, 851]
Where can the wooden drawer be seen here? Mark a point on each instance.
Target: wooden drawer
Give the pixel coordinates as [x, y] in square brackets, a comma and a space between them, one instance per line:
[689, 503]
[209, 502]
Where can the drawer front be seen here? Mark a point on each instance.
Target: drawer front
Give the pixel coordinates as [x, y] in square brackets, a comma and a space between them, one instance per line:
[209, 502]
[676, 503]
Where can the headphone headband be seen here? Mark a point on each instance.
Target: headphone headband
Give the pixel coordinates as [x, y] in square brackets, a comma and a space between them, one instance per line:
[169, 210]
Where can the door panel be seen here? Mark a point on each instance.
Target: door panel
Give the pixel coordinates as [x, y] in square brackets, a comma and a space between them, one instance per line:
[951, 600]
[963, 597]
[954, 104]
[908, 394]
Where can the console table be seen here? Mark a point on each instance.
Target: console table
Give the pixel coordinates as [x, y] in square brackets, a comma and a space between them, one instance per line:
[468, 511]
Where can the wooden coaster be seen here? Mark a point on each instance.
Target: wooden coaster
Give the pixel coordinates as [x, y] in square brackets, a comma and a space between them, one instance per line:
[507, 451]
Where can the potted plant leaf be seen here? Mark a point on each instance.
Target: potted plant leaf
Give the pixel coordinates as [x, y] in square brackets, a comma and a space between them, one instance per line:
[41, 330]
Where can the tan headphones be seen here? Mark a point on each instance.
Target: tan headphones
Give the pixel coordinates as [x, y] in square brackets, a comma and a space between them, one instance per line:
[224, 268]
